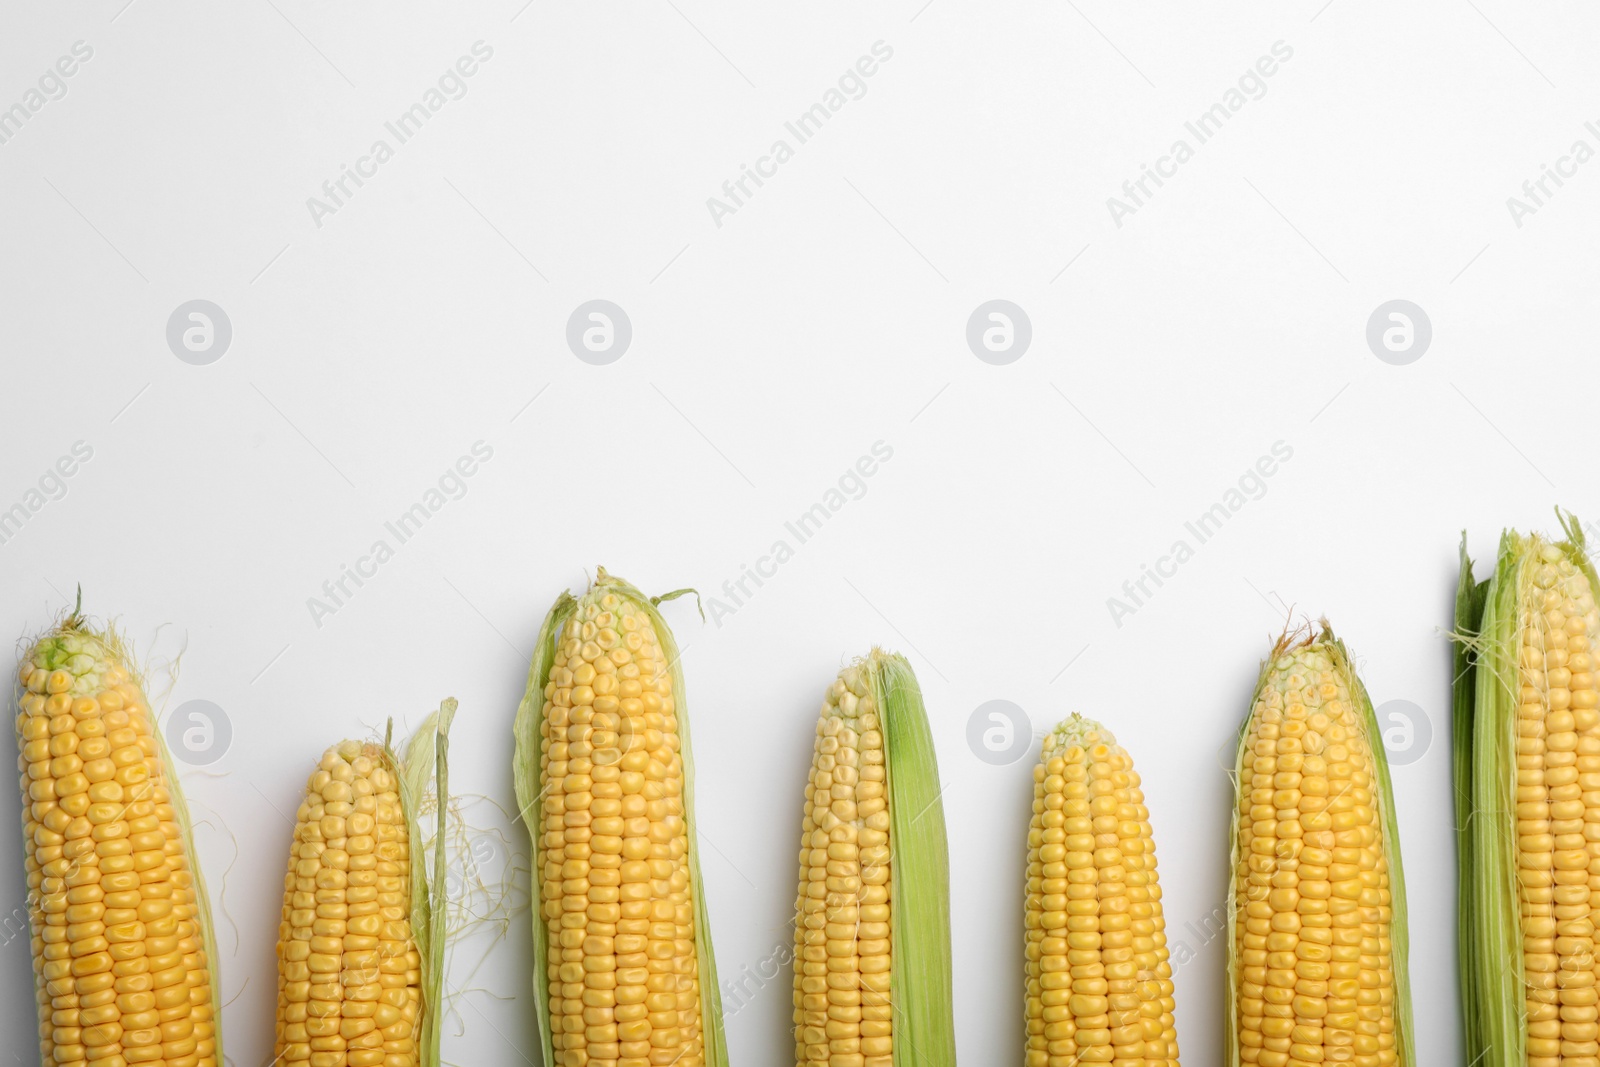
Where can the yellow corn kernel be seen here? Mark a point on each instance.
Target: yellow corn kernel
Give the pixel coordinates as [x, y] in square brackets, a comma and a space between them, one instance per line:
[331, 961]
[1098, 976]
[1315, 977]
[612, 832]
[117, 907]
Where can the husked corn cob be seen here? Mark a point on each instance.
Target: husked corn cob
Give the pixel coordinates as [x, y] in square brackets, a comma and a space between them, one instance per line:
[626, 976]
[121, 946]
[872, 982]
[1317, 960]
[357, 986]
[1527, 746]
[1099, 982]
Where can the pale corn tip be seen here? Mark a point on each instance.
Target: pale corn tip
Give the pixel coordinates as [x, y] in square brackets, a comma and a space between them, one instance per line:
[842, 998]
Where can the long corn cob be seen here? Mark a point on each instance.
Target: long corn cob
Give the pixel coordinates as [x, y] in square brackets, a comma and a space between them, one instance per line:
[1527, 745]
[361, 940]
[1317, 961]
[622, 949]
[872, 980]
[1099, 983]
[125, 965]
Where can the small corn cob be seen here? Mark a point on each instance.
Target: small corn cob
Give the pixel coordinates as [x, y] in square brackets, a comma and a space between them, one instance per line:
[1099, 983]
[1317, 961]
[1527, 748]
[360, 947]
[126, 970]
[622, 949]
[872, 977]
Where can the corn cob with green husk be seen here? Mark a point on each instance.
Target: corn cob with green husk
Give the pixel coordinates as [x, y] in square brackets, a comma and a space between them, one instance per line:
[361, 939]
[1317, 959]
[872, 976]
[1527, 767]
[1099, 982]
[124, 960]
[624, 973]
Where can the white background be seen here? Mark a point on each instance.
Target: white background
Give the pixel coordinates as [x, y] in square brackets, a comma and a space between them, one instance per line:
[769, 353]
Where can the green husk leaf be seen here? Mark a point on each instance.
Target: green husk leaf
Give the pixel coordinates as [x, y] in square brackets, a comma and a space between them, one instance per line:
[202, 897]
[1493, 936]
[1399, 938]
[1470, 599]
[1399, 926]
[1230, 985]
[920, 976]
[1489, 933]
[426, 761]
[530, 797]
[525, 772]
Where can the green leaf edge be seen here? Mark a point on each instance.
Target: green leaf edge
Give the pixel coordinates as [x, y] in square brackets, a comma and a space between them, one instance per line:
[1492, 969]
[920, 968]
[525, 773]
[427, 756]
[180, 807]
[1470, 601]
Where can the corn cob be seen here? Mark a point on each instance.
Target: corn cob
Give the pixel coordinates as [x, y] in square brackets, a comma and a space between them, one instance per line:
[1099, 983]
[872, 978]
[1527, 747]
[360, 947]
[124, 962]
[624, 970]
[1317, 961]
